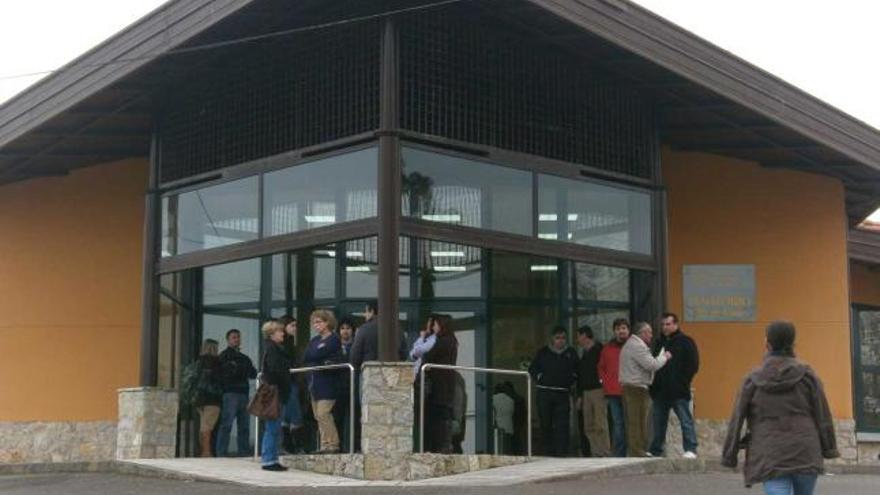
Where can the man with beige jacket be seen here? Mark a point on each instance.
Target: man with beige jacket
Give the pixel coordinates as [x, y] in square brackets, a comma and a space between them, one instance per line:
[637, 367]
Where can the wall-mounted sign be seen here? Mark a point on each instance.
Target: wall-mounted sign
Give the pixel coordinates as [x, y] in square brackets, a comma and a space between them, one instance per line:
[719, 293]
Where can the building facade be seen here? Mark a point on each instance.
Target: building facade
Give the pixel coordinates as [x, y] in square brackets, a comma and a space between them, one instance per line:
[514, 165]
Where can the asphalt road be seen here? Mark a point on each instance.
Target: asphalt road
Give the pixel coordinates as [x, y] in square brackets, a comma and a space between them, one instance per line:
[712, 484]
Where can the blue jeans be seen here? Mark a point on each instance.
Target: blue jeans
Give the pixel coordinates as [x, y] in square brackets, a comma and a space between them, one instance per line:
[660, 414]
[293, 409]
[234, 410]
[793, 484]
[271, 435]
[618, 430]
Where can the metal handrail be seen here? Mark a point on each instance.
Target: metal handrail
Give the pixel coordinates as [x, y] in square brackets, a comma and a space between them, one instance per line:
[427, 366]
[294, 371]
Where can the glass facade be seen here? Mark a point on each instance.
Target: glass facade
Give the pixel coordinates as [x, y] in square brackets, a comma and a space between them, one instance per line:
[448, 189]
[594, 215]
[211, 217]
[443, 188]
[502, 304]
[324, 192]
[319, 193]
[866, 367]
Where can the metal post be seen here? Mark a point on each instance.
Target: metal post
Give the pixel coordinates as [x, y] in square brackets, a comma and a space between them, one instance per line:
[422, 409]
[529, 414]
[257, 427]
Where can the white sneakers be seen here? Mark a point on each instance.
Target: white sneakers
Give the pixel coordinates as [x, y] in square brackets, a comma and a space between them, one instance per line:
[689, 455]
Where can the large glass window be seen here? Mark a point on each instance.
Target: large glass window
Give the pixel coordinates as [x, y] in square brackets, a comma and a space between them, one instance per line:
[214, 216]
[447, 269]
[866, 364]
[443, 188]
[362, 265]
[594, 214]
[338, 189]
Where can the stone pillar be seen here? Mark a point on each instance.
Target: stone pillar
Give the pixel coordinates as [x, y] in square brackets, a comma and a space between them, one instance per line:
[147, 426]
[386, 419]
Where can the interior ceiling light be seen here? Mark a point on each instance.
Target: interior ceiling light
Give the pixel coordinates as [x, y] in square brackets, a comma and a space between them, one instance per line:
[321, 218]
[442, 218]
[544, 268]
[359, 268]
[447, 254]
[458, 268]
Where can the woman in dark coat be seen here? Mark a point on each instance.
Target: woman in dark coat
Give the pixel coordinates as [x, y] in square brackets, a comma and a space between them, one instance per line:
[441, 396]
[789, 424]
[276, 371]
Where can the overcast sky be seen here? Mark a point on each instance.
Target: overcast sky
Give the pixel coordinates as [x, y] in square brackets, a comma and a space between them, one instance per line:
[827, 48]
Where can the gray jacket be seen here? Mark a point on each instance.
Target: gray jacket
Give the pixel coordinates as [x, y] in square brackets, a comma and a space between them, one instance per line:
[637, 365]
[366, 344]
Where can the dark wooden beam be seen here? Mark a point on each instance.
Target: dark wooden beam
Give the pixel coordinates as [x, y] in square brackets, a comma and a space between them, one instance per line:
[389, 198]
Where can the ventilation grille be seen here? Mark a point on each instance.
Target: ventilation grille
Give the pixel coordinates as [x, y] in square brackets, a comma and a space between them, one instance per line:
[469, 78]
[271, 97]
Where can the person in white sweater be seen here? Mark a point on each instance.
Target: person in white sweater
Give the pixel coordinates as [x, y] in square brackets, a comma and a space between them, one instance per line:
[637, 367]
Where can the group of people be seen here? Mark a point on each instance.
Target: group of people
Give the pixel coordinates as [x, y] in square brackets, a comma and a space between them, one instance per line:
[631, 378]
[624, 388]
[781, 416]
[217, 386]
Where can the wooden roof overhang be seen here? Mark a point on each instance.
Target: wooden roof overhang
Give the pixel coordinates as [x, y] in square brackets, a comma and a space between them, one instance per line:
[706, 98]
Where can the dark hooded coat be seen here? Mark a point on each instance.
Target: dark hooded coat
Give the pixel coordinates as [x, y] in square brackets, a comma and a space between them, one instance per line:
[788, 424]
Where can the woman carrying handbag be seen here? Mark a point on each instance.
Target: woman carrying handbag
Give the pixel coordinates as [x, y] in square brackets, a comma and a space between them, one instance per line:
[276, 371]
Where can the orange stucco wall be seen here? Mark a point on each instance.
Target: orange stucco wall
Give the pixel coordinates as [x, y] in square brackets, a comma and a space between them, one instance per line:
[864, 283]
[792, 226]
[70, 292]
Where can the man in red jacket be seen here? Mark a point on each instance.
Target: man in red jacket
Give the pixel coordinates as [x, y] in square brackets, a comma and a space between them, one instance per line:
[609, 369]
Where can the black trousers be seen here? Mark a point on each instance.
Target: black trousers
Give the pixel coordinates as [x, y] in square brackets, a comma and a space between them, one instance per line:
[553, 410]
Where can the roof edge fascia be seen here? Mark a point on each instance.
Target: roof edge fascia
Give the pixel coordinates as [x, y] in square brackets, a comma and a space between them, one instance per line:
[156, 33]
[648, 35]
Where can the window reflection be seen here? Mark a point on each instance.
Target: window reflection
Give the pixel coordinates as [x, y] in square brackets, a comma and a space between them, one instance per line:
[338, 189]
[447, 189]
[362, 265]
[524, 276]
[449, 270]
[594, 214]
[601, 283]
[211, 217]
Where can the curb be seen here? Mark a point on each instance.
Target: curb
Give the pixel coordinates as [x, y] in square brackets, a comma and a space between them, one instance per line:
[648, 467]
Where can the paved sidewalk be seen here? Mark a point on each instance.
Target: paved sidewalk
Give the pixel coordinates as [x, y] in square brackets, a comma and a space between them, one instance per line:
[247, 472]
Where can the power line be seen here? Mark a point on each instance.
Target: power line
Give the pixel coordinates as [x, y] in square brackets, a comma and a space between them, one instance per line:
[237, 41]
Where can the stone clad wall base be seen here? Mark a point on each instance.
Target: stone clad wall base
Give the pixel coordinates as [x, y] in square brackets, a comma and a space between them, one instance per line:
[57, 441]
[147, 427]
[711, 435]
[386, 410]
[408, 467]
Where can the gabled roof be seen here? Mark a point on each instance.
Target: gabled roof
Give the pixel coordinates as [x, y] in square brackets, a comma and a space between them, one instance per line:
[709, 99]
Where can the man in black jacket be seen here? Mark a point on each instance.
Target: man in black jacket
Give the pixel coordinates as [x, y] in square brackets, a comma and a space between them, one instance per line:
[590, 394]
[554, 370]
[672, 387]
[235, 371]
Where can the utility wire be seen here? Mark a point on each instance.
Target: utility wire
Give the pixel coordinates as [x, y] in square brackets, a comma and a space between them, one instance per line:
[237, 41]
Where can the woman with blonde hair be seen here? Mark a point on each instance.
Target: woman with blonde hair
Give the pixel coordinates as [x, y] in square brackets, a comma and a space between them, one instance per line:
[208, 393]
[276, 371]
[324, 348]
